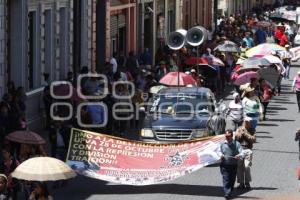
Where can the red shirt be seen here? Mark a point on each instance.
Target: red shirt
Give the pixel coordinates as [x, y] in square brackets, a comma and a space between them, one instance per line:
[284, 40]
[278, 34]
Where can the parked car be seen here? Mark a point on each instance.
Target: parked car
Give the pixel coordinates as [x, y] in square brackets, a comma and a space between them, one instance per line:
[178, 114]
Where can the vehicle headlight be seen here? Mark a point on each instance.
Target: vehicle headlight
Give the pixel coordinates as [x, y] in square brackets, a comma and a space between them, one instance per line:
[198, 133]
[147, 133]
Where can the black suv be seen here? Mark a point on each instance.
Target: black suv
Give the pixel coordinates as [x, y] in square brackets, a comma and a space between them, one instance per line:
[178, 114]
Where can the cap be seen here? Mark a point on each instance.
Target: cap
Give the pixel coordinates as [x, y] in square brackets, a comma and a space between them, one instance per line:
[193, 71]
[235, 95]
[286, 46]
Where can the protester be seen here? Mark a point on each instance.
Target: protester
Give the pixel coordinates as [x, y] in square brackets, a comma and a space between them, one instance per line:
[246, 136]
[234, 114]
[231, 152]
[40, 192]
[114, 62]
[4, 193]
[297, 139]
[296, 88]
[284, 40]
[8, 165]
[286, 57]
[248, 40]
[266, 94]
[252, 106]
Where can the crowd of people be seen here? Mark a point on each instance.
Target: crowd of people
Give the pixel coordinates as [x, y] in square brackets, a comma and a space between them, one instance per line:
[249, 105]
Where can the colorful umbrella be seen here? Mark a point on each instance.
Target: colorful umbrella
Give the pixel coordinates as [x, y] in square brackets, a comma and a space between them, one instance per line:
[247, 69]
[25, 137]
[195, 61]
[228, 46]
[245, 78]
[263, 49]
[171, 79]
[43, 169]
[216, 61]
[273, 59]
[254, 61]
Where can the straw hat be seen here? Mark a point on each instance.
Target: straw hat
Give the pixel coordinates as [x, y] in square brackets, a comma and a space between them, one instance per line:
[247, 90]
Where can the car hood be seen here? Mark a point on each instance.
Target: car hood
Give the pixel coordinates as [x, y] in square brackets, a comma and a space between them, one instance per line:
[169, 122]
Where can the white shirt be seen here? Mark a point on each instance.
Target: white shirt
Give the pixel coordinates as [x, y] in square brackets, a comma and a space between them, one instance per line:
[113, 61]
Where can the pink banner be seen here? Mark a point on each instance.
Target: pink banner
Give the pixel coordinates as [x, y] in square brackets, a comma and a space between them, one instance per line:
[135, 163]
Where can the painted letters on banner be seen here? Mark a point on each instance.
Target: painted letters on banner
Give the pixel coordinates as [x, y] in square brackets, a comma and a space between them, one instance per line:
[134, 163]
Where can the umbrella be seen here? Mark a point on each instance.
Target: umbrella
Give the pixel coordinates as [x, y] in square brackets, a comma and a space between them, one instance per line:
[247, 69]
[254, 61]
[171, 79]
[228, 46]
[43, 169]
[273, 59]
[156, 89]
[206, 70]
[216, 61]
[269, 74]
[263, 49]
[25, 137]
[195, 61]
[245, 78]
[264, 24]
[296, 53]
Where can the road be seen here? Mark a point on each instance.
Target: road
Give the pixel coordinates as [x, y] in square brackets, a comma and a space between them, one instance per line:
[274, 166]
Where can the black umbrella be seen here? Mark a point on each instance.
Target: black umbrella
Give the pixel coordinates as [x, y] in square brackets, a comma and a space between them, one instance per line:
[206, 70]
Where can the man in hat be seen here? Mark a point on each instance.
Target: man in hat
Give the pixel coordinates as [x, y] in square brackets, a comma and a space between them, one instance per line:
[246, 136]
[296, 88]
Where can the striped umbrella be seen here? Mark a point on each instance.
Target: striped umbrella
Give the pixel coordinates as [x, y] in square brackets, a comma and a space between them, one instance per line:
[263, 49]
[43, 169]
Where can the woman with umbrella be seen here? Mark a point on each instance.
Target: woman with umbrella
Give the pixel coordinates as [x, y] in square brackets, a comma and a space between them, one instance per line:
[265, 95]
[7, 166]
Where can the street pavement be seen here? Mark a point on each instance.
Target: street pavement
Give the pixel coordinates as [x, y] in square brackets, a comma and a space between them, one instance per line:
[273, 172]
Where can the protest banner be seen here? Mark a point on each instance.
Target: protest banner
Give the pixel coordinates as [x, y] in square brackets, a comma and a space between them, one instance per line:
[129, 162]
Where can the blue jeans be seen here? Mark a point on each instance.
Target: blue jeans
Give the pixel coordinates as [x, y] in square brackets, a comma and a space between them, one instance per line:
[287, 69]
[229, 175]
[253, 123]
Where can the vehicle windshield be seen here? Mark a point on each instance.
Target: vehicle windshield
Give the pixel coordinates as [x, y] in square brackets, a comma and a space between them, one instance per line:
[200, 104]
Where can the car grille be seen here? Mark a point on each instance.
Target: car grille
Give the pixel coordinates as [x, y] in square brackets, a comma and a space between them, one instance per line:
[173, 135]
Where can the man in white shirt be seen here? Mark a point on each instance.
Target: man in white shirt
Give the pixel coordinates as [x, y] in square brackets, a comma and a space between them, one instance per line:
[114, 62]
